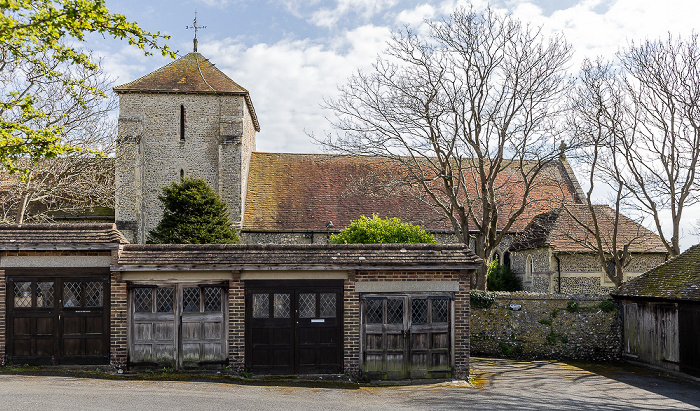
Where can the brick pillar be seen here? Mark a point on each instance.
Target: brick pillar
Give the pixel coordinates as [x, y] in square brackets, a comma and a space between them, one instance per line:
[118, 321]
[351, 327]
[3, 314]
[236, 323]
[461, 325]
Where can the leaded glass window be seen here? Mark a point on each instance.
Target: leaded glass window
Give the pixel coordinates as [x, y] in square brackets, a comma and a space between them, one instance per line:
[143, 300]
[327, 305]
[282, 305]
[23, 295]
[307, 305]
[419, 311]
[71, 294]
[164, 300]
[93, 294]
[190, 299]
[212, 299]
[394, 311]
[261, 305]
[440, 310]
[374, 311]
[44, 294]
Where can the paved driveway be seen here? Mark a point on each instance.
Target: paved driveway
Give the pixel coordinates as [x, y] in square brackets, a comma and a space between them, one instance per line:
[499, 384]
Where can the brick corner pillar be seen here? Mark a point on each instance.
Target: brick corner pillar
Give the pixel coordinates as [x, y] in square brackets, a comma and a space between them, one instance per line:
[118, 322]
[236, 323]
[3, 318]
[462, 312]
[351, 327]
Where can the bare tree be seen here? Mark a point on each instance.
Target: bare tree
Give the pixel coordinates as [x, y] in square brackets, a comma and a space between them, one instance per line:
[642, 120]
[468, 112]
[75, 181]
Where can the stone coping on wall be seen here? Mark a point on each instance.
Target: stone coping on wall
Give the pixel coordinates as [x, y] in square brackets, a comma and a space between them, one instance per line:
[527, 295]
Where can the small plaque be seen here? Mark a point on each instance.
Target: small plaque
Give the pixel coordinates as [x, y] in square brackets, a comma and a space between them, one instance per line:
[318, 320]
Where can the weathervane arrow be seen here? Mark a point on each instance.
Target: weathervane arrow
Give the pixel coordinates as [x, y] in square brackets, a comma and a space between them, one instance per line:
[196, 28]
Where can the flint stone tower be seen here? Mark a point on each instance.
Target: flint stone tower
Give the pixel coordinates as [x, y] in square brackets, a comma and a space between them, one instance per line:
[184, 119]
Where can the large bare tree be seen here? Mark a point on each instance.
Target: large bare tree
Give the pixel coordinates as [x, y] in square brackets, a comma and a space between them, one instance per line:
[468, 112]
[641, 117]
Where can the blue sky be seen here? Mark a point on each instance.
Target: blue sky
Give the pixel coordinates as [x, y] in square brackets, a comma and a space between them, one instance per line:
[291, 54]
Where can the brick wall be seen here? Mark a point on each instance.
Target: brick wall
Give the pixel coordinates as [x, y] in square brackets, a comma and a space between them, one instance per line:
[118, 322]
[351, 318]
[236, 323]
[3, 317]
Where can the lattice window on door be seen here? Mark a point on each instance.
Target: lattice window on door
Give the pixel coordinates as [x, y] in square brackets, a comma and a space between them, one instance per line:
[261, 306]
[143, 300]
[164, 300]
[44, 294]
[93, 294]
[212, 299]
[374, 311]
[307, 305]
[190, 299]
[440, 310]
[394, 311]
[282, 305]
[71, 294]
[23, 295]
[328, 305]
[419, 311]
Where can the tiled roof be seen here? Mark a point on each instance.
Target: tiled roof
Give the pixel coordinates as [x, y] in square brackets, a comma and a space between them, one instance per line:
[60, 236]
[559, 229]
[305, 191]
[295, 256]
[676, 279]
[192, 73]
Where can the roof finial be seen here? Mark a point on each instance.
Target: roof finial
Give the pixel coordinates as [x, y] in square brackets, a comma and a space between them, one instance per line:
[195, 27]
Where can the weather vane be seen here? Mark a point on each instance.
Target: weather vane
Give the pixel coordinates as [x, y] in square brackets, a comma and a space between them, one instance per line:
[195, 27]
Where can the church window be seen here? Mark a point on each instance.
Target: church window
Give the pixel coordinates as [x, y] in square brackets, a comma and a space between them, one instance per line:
[529, 268]
[182, 174]
[182, 123]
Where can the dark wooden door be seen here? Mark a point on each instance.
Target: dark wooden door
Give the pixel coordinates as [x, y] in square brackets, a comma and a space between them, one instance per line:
[178, 325]
[58, 319]
[689, 337]
[294, 327]
[406, 336]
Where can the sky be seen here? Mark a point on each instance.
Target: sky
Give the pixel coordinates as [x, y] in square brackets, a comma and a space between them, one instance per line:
[292, 54]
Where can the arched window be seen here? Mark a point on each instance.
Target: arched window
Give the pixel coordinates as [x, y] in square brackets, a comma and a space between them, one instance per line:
[506, 258]
[182, 122]
[497, 256]
[529, 268]
[182, 174]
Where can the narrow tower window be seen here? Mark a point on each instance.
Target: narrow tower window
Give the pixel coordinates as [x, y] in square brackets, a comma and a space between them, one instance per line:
[182, 174]
[182, 123]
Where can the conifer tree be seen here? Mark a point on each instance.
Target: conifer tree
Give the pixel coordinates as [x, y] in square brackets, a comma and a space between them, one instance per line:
[193, 214]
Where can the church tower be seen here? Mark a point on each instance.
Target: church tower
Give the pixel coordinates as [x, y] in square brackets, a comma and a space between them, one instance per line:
[184, 119]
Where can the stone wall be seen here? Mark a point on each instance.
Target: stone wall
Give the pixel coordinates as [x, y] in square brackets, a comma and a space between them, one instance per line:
[219, 137]
[543, 328]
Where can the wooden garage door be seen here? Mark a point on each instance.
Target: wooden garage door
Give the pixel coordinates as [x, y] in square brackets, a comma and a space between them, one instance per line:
[178, 325]
[689, 337]
[294, 327]
[406, 336]
[58, 319]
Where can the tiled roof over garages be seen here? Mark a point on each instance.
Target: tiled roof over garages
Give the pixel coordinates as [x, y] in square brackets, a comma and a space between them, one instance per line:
[565, 230]
[676, 279]
[295, 256]
[60, 236]
[305, 191]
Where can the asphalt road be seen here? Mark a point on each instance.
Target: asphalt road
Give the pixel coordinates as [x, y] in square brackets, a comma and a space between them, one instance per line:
[498, 384]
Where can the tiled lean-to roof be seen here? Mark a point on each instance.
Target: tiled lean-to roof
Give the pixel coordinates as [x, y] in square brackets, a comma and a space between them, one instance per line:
[305, 191]
[563, 229]
[676, 279]
[192, 73]
[60, 236]
[295, 256]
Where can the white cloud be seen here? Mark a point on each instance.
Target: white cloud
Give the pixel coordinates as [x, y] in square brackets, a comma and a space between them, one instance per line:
[416, 16]
[366, 9]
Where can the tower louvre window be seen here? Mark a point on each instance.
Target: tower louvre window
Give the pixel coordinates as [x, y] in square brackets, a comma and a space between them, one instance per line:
[182, 123]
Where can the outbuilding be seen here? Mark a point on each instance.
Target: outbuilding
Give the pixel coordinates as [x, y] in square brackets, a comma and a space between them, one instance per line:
[661, 313]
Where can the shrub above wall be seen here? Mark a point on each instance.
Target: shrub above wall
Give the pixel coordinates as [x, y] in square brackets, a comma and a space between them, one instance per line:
[544, 326]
